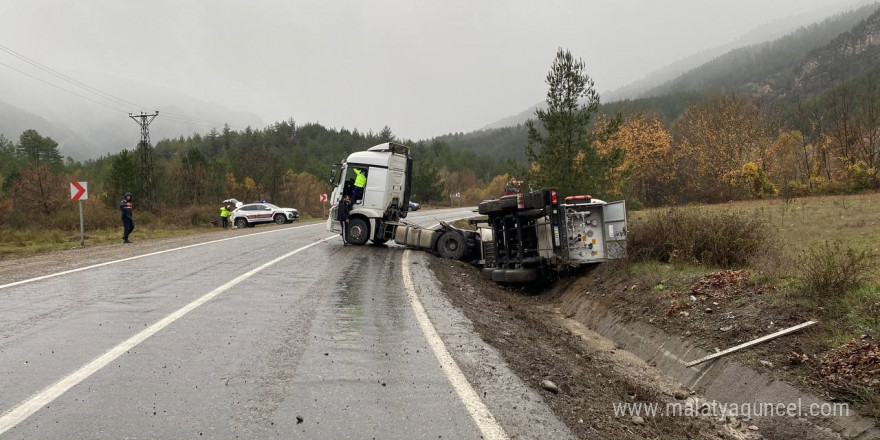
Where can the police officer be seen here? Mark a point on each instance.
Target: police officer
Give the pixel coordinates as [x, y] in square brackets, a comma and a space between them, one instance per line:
[127, 222]
[342, 214]
[224, 216]
[360, 181]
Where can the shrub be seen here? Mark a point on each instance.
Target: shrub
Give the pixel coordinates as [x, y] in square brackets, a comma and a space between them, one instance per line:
[859, 177]
[191, 216]
[829, 271]
[759, 183]
[793, 189]
[716, 238]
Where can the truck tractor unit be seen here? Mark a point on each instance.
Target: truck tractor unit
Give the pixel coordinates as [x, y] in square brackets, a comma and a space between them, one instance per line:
[383, 201]
[525, 237]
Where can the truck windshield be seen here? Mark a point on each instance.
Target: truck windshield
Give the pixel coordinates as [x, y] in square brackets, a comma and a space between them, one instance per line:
[336, 173]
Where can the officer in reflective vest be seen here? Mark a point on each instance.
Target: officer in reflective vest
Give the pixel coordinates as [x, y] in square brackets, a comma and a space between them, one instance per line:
[224, 216]
[360, 181]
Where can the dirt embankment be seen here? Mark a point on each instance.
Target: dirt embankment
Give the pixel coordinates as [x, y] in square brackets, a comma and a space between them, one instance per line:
[722, 309]
[589, 372]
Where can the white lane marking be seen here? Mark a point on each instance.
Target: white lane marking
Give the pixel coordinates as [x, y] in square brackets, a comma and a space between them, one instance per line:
[484, 419]
[52, 392]
[107, 263]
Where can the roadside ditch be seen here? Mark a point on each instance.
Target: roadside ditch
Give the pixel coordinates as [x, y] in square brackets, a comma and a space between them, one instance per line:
[602, 350]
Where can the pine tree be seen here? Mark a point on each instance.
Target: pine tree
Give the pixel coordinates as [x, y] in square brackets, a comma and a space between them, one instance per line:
[562, 152]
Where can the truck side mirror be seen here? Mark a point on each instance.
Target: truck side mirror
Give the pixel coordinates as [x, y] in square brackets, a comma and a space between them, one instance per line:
[334, 172]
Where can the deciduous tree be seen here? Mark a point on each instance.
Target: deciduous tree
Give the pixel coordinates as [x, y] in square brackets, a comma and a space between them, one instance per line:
[39, 189]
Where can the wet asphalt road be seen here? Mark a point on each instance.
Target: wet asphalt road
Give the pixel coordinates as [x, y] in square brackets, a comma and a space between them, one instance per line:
[322, 344]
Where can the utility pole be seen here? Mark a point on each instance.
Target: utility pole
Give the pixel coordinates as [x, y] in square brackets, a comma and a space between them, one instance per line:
[145, 152]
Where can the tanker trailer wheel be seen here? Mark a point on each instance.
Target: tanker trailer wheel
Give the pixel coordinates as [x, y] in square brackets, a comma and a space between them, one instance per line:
[451, 245]
[358, 231]
[520, 275]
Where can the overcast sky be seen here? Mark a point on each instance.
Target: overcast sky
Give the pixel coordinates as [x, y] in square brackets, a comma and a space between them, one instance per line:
[422, 67]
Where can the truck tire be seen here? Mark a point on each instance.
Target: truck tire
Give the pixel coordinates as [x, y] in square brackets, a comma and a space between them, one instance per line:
[493, 207]
[508, 202]
[530, 213]
[379, 241]
[483, 207]
[451, 245]
[520, 275]
[358, 231]
[498, 275]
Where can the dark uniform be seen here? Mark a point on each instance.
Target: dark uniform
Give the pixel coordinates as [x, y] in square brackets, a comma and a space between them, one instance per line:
[342, 214]
[127, 222]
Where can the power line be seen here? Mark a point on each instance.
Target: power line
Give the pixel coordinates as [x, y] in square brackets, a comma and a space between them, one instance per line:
[68, 79]
[107, 96]
[61, 88]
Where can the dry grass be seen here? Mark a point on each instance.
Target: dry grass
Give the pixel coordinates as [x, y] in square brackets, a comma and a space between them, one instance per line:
[23, 243]
[851, 221]
[725, 239]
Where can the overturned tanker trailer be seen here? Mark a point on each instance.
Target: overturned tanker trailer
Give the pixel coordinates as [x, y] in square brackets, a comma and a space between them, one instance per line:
[531, 236]
[524, 237]
[528, 237]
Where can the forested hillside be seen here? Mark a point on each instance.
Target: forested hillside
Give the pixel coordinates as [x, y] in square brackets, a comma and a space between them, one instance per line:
[285, 163]
[771, 67]
[794, 116]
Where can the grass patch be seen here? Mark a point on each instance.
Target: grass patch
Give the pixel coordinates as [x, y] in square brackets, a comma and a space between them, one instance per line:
[16, 243]
[858, 313]
[689, 235]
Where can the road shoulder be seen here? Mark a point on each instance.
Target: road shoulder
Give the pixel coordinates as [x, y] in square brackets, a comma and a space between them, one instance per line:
[519, 409]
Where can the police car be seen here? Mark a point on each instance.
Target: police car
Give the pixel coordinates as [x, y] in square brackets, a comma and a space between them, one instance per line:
[246, 216]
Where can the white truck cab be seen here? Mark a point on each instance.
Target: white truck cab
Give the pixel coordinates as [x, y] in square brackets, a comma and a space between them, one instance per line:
[385, 198]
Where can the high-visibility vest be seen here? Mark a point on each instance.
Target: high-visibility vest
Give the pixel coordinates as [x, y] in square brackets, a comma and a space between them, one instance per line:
[224, 212]
[361, 180]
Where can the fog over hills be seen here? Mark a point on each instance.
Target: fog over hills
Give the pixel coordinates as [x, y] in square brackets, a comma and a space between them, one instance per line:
[423, 69]
[89, 128]
[760, 34]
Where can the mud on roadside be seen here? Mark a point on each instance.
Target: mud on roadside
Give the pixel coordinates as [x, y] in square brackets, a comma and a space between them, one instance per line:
[537, 346]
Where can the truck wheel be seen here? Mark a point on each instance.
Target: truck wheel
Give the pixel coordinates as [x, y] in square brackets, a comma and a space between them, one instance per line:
[241, 223]
[451, 245]
[508, 202]
[498, 275]
[280, 219]
[531, 214]
[358, 231]
[483, 207]
[520, 275]
[379, 241]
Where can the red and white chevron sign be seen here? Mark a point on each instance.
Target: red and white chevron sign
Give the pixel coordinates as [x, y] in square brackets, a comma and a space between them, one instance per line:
[79, 191]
